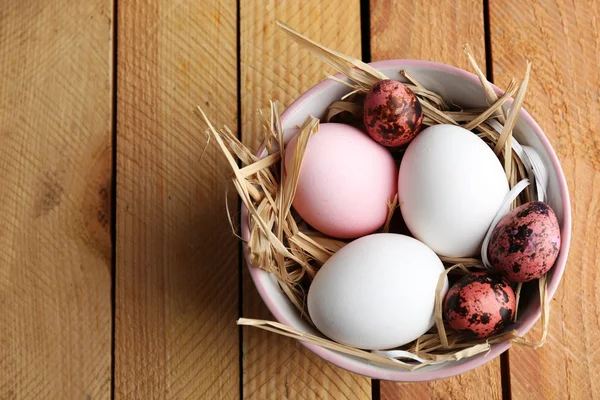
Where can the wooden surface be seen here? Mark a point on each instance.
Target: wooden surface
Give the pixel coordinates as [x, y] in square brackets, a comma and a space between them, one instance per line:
[176, 300]
[154, 317]
[271, 69]
[427, 30]
[55, 180]
[564, 99]
[396, 33]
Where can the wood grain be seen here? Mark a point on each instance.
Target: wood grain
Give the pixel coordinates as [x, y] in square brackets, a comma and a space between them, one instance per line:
[177, 260]
[435, 31]
[428, 30]
[274, 69]
[562, 40]
[55, 174]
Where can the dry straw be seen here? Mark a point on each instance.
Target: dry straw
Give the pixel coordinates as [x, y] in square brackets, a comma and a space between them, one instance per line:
[279, 242]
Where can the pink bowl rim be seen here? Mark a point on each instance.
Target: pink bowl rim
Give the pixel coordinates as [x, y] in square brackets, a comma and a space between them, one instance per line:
[524, 326]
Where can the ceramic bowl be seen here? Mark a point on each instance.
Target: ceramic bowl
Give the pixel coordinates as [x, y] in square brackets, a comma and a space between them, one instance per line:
[464, 89]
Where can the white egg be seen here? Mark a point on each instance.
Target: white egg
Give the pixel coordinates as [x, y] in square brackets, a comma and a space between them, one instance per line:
[377, 292]
[450, 186]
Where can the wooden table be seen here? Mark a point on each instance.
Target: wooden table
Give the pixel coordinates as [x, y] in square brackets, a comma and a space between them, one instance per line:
[119, 274]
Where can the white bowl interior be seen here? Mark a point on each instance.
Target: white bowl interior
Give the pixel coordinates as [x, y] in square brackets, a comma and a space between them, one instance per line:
[455, 88]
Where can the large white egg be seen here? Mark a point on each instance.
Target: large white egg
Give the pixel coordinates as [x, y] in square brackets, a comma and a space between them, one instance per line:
[450, 186]
[377, 292]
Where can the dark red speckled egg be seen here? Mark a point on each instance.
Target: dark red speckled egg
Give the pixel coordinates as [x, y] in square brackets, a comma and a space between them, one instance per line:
[525, 243]
[480, 305]
[392, 113]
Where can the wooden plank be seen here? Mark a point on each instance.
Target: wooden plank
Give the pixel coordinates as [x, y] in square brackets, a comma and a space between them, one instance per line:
[427, 30]
[55, 174]
[562, 40]
[435, 31]
[273, 68]
[177, 260]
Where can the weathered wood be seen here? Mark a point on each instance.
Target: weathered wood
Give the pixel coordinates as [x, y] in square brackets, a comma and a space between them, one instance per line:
[563, 42]
[55, 175]
[177, 260]
[275, 69]
[435, 31]
[427, 30]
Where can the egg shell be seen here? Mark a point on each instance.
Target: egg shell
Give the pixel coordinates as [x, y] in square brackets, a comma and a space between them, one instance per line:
[480, 305]
[392, 113]
[377, 292]
[450, 187]
[525, 243]
[345, 182]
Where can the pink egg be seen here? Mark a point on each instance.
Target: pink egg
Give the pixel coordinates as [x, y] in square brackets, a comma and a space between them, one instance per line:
[346, 180]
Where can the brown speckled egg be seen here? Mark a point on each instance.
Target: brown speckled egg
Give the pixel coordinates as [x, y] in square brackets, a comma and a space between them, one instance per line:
[392, 113]
[525, 243]
[480, 305]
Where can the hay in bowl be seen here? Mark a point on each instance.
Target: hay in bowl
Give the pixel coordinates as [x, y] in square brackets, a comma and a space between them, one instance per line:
[284, 254]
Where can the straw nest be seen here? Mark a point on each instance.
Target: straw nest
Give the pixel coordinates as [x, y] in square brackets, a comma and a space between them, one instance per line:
[282, 244]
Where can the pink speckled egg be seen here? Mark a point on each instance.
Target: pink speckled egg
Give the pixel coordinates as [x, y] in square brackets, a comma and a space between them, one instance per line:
[525, 243]
[392, 113]
[346, 180]
[480, 305]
